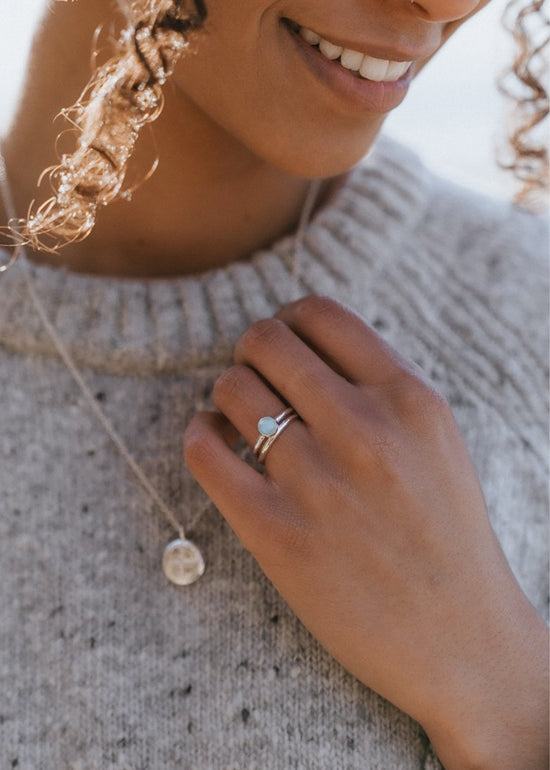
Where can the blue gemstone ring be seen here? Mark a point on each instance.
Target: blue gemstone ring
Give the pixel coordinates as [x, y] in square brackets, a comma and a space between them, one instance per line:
[269, 429]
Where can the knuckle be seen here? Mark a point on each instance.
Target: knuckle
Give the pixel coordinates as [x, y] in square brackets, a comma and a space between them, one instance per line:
[319, 305]
[416, 403]
[230, 383]
[438, 404]
[261, 334]
[419, 397]
[198, 450]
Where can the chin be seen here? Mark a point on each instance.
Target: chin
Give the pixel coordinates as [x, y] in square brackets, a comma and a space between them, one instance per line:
[320, 156]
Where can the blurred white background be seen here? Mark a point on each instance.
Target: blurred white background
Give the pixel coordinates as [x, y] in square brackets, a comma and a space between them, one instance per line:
[453, 115]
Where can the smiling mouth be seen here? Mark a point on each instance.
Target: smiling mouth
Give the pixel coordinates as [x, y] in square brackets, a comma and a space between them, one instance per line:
[358, 63]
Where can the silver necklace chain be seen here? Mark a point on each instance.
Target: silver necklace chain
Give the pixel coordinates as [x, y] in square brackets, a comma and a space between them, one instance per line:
[182, 561]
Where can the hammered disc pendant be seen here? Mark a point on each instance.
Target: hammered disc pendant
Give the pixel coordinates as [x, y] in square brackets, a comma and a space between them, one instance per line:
[182, 562]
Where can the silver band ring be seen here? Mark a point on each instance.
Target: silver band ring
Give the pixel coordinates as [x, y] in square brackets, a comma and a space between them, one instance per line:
[270, 428]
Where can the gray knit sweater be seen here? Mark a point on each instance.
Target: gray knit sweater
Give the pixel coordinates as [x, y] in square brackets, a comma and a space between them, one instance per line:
[103, 664]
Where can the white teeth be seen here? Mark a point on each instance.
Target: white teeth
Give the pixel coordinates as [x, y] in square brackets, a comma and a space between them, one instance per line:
[396, 69]
[309, 36]
[373, 69]
[367, 66]
[330, 50]
[351, 60]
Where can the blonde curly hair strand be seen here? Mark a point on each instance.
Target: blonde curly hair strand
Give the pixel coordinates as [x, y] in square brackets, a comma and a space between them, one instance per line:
[125, 94]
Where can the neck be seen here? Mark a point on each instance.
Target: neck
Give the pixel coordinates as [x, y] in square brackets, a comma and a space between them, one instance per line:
[210, 202]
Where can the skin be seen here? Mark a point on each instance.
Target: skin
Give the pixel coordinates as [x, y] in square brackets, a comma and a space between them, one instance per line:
[229, 184]
[387, 555]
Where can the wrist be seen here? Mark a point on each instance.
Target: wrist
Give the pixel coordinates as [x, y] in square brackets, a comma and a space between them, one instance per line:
[498, 719]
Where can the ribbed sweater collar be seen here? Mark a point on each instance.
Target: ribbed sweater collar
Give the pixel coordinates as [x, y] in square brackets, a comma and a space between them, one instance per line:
[142, 327]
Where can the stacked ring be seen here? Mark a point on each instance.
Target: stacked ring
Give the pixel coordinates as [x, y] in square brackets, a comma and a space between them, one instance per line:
[270, 428]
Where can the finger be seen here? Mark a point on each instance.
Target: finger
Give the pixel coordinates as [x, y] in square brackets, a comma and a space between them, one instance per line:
[294, 370]
[242, 495]
[229, 433]
[244, 398]
[344, 340]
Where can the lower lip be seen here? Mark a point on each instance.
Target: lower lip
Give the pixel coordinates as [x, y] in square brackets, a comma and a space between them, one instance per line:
[367, 95]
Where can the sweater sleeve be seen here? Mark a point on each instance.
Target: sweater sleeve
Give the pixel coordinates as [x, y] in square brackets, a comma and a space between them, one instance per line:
[489, 283]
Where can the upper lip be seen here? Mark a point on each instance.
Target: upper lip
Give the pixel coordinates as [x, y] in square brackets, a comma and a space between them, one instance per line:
[375, 50]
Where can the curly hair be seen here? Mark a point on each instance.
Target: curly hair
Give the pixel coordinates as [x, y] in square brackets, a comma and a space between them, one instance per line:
[522, 82]
[125, 94]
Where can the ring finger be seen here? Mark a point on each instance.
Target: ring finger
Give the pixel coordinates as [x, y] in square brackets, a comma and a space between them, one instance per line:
[244, 398]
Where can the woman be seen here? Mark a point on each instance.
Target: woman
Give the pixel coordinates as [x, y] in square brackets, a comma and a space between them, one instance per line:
[368, 517]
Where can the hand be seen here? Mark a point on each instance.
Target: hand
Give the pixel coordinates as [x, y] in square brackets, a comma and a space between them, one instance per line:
[371, 522]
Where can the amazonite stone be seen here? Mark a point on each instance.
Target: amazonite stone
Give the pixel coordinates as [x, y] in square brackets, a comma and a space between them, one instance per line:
[267, 426]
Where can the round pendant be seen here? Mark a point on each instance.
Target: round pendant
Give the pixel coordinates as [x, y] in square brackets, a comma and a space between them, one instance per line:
[182, 562]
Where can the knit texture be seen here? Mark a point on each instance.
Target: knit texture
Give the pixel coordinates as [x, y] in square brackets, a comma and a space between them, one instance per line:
[103, 664]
